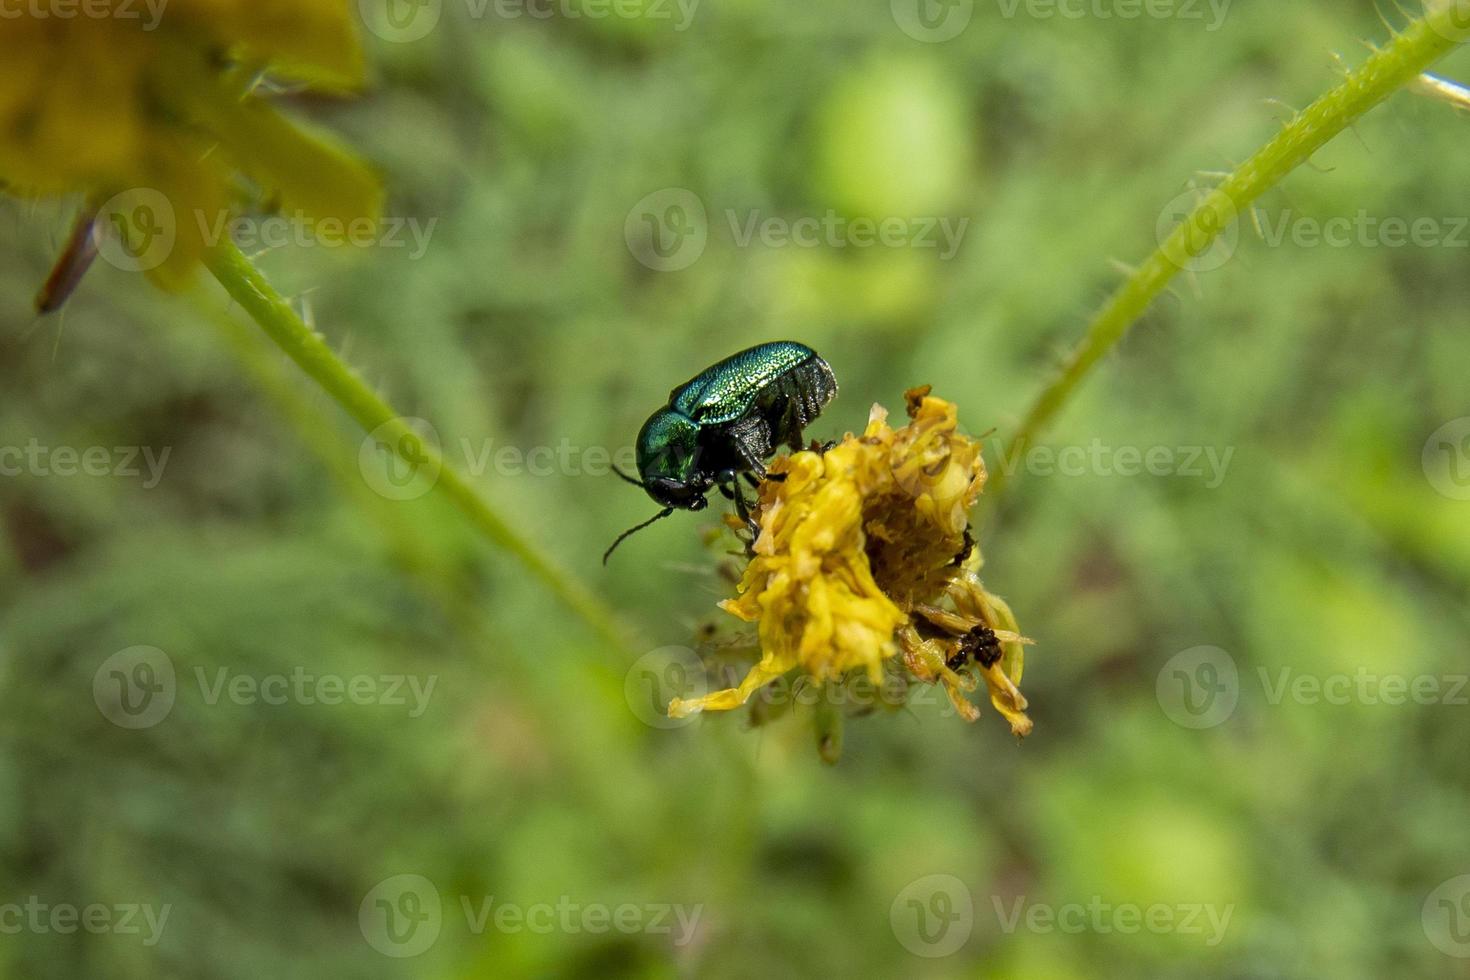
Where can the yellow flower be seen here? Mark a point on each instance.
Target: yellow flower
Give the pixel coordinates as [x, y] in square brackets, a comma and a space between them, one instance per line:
[165, 97]
[865, 565]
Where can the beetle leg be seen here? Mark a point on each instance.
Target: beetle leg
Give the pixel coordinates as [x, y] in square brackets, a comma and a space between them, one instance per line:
[742, 510]
[728, 479]
[797, 417]
[793, 419]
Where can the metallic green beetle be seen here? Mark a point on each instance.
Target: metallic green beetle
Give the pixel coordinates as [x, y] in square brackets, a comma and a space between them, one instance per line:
[727, 421]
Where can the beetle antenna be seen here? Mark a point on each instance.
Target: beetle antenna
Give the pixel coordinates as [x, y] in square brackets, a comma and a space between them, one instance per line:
[636, 483]
[637, 527]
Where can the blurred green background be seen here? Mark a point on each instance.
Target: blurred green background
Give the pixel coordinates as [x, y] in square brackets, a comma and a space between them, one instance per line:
[1334, 543]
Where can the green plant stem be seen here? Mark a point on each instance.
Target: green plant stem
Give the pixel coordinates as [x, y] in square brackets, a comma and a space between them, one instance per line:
[248, 287]
[1411, 51]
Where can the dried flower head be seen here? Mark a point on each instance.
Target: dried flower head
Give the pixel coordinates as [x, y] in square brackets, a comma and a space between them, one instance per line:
[865, 569]
[167, 98]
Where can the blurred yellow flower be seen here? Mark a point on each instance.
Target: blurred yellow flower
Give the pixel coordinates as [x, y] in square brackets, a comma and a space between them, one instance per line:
[163, 98]
[865, 564]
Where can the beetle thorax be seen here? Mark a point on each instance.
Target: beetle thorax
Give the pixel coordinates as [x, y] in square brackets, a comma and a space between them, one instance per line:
[668, 460]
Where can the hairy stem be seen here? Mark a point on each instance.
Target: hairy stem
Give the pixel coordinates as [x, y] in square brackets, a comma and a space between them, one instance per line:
[1411, 51]
[244, 282]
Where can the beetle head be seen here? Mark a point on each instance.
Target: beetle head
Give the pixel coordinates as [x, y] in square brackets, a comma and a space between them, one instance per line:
[668, 461]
